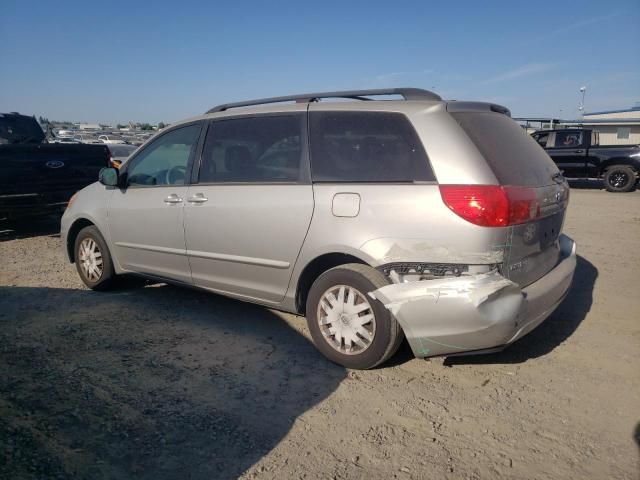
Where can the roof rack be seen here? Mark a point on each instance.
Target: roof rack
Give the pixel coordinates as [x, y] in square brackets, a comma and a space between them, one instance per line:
[406, 93]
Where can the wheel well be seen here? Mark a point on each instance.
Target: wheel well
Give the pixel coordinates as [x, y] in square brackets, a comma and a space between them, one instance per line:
[314, 269]
[73, 233]
[614, 162]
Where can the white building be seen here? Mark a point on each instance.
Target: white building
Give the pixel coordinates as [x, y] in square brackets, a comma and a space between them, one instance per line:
[616, 127]
[92, 127]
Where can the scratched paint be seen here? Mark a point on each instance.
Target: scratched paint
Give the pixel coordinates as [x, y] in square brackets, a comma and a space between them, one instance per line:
[388, 250]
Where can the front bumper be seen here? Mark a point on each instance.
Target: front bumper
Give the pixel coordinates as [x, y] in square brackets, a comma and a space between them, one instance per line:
[474, 313]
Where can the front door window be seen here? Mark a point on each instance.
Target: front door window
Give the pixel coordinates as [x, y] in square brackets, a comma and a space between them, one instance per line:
[165, 160]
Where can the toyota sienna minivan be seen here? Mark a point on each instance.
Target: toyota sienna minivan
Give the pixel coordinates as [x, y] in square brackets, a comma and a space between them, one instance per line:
[380, 215]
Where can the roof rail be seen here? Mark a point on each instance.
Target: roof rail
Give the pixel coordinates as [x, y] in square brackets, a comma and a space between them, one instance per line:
[406, 93]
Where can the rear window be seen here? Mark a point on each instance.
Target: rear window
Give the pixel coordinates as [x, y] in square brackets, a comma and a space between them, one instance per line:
[514, 157]
[366, 147]
[20, 129]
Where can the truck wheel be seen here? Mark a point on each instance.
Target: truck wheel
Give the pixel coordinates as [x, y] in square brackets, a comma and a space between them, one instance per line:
[93, 260]
[347, 325]
[619, 178]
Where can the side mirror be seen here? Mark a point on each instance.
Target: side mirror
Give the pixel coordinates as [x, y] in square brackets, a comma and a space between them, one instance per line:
[108, 176]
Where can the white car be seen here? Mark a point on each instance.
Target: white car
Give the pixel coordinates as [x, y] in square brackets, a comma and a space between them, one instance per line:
[63, 140]
[86, 139]
[111, 140]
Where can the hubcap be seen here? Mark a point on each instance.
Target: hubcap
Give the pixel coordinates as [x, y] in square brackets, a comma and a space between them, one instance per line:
[346, 319]
[90, 259]
[619, 179]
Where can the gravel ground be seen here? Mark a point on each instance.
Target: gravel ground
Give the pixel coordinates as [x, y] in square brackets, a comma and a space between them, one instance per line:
[154, 381]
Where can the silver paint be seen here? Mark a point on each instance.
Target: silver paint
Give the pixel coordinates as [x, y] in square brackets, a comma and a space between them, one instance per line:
[254, 241]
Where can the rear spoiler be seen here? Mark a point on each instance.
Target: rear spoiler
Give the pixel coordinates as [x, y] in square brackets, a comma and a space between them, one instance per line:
[462, 106]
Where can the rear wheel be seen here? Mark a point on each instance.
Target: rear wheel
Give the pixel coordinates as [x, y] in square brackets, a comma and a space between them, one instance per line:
[349, 327]
[619, 178]
[93, 260]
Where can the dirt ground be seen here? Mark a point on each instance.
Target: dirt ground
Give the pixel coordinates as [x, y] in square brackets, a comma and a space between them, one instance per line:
[154, 381]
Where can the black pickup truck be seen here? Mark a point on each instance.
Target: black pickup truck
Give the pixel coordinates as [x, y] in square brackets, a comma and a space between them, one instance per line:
[577, 154]
[39, 178]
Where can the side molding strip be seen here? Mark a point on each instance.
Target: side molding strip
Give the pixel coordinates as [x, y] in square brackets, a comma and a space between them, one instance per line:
[262, 262]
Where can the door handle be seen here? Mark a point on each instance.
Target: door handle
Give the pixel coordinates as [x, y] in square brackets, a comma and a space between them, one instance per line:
[579, 151]
[197, 198]
[173, 198]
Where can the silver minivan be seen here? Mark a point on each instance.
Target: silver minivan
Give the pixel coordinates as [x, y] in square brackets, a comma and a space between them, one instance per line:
[379, 215]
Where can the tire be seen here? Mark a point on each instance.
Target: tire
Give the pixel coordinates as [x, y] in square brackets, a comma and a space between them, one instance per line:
[94, 265]
[376, 340]
[620, 178]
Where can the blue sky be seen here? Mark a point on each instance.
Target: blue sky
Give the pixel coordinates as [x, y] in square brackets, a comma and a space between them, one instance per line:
[152, 61]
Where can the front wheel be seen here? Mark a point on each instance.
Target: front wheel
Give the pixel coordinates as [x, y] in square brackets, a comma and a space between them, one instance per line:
[93, 260]
[619, 178]
[347, 325]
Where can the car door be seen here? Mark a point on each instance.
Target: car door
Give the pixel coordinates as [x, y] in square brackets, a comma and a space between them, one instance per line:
[146, 217]
[593, 158]
[569, 152]
[247, 216]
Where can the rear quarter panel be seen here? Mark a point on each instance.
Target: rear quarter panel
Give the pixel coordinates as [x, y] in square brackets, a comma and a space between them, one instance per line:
[396, 222]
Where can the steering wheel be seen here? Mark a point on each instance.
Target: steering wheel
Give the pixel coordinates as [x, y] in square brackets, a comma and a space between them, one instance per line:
[175, 174]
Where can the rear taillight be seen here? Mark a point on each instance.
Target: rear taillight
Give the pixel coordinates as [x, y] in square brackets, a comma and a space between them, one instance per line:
[491, 205]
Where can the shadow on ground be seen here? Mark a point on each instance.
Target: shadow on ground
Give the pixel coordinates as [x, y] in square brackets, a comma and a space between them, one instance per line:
[587, 184]
[156, 382]
[554, 330]
[29, 227]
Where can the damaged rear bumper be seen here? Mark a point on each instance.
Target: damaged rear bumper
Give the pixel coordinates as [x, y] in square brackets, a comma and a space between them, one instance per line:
[478, 312]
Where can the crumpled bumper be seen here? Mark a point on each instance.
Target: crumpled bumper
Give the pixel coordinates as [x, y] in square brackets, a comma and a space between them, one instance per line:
[478, 312]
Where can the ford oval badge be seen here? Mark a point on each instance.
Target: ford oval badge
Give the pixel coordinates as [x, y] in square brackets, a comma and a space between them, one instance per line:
[54, 164]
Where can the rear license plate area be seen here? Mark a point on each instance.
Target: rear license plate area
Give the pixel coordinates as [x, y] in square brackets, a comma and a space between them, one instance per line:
[549, 230]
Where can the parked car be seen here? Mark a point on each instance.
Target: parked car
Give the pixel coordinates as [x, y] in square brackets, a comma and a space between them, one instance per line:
[37, 177]
[119, 153]
[111, 139]
[84, 138]
[579, 155]
[63, 140]
[439, 221]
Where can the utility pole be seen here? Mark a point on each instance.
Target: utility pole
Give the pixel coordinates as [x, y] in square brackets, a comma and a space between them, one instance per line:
[583, 90]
